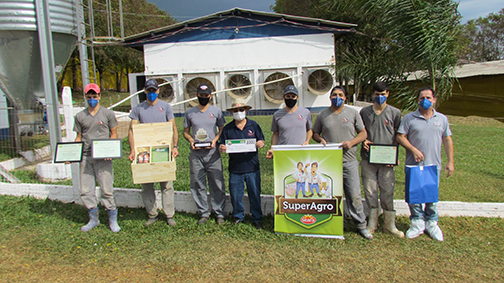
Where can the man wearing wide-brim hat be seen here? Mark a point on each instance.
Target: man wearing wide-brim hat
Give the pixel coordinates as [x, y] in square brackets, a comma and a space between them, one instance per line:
[243, 166]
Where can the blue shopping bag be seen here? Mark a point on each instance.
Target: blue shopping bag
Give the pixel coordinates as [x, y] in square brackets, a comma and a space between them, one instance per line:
[422, 184]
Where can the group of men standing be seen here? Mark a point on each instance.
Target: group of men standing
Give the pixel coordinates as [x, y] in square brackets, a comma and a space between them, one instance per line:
[421, 132]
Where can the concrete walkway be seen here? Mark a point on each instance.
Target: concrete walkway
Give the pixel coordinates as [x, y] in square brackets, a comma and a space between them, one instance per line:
[184, 201]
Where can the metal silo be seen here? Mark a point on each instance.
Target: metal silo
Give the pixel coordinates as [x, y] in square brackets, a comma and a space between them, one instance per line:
[20, 62]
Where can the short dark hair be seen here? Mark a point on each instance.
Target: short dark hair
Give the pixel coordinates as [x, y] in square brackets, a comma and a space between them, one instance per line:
[299, 163]
[380, 86]
[314, 163]
[340, 88]
[426, 88]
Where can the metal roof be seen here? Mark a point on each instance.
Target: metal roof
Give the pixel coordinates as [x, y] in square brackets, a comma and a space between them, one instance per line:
[348, 27]
[480, 69]
[470, 70]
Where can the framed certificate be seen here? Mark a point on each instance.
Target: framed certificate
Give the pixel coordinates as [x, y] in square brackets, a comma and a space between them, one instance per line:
[68, 152]
[385, 154]
[239, 146]
[106, 148]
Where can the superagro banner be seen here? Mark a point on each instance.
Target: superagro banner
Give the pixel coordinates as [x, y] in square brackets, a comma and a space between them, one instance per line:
[309, 190]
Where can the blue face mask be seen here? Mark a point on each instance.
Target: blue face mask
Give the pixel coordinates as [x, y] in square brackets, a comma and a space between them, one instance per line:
[380, 99]
[425, 104]
[92, 102]
[337, 101]
[151, 96]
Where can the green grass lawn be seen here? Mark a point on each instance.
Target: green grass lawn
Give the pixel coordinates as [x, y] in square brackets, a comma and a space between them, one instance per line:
[41, 241]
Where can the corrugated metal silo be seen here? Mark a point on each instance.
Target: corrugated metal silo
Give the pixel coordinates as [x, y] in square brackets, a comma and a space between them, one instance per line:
[20, 62]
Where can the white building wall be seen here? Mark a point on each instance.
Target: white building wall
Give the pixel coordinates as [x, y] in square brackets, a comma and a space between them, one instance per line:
[258, 57]
[239, 54]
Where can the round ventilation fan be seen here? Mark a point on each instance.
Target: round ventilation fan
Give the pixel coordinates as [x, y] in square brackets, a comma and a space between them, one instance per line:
[192, 86]
[166, 91]
[320, 82]
[238, 80]
[274, 91]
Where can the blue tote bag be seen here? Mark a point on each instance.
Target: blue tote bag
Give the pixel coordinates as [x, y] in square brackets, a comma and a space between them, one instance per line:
[422, 184]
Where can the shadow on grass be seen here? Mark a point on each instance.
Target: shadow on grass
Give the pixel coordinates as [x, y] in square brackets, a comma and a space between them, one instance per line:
[79, 214]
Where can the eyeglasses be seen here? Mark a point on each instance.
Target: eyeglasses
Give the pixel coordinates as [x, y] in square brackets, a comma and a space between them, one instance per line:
[241, 109]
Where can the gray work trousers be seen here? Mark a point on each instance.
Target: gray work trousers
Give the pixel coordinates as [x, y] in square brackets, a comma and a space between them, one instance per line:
[351, 187]
[374, 177]
[167, 199]
[101, 171]
[203, 167]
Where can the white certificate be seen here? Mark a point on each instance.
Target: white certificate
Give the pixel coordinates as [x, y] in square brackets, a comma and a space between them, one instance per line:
[68, 152]
[383, 154]
[239, 146]
[107, 148]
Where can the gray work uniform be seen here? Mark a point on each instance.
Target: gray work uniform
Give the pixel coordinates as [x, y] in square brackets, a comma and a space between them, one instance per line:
[158, 113]
[380, 130]
[96, 170]
[427, 136]
[291, 127]
[336, 128]
[206, 163]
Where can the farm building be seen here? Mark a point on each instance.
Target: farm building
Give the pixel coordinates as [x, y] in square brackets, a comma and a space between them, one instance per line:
[480, 92]
[241, 48]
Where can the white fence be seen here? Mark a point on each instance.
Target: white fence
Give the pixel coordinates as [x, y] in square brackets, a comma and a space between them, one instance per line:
[184, 201]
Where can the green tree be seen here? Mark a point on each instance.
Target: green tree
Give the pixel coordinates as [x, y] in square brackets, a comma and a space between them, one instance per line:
[428, 31]
[394, 38]
[138, 16]
[482, 39]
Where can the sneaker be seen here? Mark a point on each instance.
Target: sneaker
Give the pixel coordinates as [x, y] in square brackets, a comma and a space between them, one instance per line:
[417, 228]
[236, 222]
[220, 221]
[258, 225]
[365, 234]
[202, 220]
[432, 228]
[151, 221]
[170, 221]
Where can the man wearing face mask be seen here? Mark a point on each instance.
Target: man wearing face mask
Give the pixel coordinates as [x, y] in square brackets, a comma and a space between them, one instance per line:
[243, 167]
[206, 122]
[96, 122]
[381, 122]
[154, 110]
[422, 133]
[292, 124]
[340, 124]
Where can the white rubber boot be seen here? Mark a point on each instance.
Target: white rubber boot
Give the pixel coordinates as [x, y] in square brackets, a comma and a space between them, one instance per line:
[417, 228]
[112, 216]
[373, 220]
[93, 220]
[389, 225]
[433, 230]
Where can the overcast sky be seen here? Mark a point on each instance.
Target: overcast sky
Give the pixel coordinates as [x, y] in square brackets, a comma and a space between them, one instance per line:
[183, 10]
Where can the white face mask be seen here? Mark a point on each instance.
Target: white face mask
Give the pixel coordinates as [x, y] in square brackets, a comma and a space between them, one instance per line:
[238, 116]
